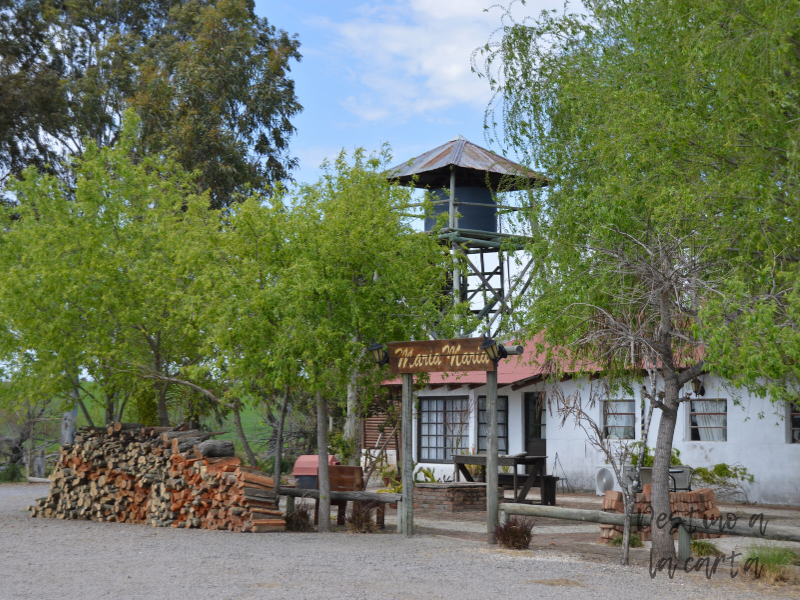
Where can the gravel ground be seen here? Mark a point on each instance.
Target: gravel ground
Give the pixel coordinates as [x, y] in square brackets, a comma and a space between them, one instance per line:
[45, 559]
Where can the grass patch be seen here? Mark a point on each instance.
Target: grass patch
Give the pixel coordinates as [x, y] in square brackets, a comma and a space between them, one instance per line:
[515, 534]
[770, 563]
[636, 541]
[705, 548]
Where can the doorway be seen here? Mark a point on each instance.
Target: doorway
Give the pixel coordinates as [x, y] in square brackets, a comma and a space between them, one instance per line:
[535, 424]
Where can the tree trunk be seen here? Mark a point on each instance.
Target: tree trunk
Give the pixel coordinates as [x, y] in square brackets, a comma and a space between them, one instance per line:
[279, 440]
[323, 480]
[242, 438]
[629, 497]
[68, 426]
[351, 424]
[163, 415]
[76, 396]
[663, 541]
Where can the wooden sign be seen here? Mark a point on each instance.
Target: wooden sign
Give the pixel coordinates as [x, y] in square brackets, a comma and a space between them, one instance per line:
[438, 355]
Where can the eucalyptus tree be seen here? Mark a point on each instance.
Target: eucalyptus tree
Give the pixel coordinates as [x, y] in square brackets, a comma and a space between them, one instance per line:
[209, 79]
[670, 131]
[359, 272]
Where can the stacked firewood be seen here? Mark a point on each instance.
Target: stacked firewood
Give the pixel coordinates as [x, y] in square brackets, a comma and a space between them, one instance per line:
[216, 493]
[160, 476]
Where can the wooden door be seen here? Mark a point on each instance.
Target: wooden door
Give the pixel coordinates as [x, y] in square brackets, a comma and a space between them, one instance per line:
[535, 424]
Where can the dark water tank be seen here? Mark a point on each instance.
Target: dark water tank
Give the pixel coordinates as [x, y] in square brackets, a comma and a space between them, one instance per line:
[472, 217]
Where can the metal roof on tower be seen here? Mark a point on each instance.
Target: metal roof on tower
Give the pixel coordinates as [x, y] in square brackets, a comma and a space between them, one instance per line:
[432, 168]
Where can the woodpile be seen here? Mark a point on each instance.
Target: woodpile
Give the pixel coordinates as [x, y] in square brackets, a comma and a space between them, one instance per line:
[159, 476]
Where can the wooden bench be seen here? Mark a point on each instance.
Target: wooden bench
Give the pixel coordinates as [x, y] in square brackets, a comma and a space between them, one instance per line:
[350, 479]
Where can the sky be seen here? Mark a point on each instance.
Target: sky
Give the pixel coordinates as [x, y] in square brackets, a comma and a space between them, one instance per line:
[395, 71]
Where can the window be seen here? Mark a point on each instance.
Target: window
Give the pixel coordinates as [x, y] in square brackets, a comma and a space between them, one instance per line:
[502, 424]
[443, 428]
[619, 418]
[708, 420]
[794, 423]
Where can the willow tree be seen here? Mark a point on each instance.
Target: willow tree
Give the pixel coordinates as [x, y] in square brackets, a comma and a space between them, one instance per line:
[670, 129]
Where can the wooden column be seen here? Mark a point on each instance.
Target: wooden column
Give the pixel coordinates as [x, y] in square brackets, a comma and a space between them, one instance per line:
[491, 455]
[406, 507]
[684, 543]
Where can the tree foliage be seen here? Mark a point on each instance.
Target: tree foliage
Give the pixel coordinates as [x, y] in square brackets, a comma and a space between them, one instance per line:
[668, 236]
[93, 284]
[670, 119]
[209, 80]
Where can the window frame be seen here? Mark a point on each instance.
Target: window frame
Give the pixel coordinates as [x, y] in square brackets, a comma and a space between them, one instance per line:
[632, 414]
[794, 411]
[478, 435]
[464, 435]
[691, 429]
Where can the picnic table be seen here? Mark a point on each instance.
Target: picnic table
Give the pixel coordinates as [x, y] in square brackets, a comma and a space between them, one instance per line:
[537, 464]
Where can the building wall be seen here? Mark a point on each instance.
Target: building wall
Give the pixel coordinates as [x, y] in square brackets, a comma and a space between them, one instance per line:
[757, 438]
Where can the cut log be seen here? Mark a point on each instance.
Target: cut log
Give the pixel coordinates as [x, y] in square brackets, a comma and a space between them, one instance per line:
[126, 426]
[217, 448]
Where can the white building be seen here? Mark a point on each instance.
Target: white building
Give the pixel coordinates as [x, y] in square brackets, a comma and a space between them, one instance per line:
[722, 426]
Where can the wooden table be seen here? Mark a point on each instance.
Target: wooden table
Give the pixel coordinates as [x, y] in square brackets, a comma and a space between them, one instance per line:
[536, 462]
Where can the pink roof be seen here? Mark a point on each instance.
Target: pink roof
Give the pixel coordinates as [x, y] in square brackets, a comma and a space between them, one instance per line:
[523, 370]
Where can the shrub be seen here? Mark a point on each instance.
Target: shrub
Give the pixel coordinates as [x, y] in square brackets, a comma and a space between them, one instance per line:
[299, 520]
[771, 563]
[636, 541]
[12, 473]
[705, 548]
[268, 466]
[674, 459]
[515, 534]
[360, 521]
[726, 480]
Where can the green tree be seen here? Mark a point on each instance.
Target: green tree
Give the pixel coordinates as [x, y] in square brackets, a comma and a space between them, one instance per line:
[215, 87]
[359, 272]
[670, 131]
[210, 80]
[93, 281]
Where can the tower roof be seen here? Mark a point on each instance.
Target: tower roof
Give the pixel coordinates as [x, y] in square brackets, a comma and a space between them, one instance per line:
[472, 162]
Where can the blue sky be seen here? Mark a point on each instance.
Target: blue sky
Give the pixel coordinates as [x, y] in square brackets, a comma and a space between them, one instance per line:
[394, 71]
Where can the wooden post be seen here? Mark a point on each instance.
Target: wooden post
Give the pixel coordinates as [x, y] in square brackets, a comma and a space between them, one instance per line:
[406, 507]
[684, 544]
[399, 518]
[491, 455]
[323, 479]
[289, 505]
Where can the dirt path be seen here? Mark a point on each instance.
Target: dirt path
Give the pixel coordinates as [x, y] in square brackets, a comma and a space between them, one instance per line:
[46, 559]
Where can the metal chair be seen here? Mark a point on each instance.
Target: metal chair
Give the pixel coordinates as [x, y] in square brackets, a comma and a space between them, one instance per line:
[646, 476]
[681, 477]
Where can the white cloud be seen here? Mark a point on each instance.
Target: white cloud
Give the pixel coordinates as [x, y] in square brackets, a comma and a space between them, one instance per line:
[412, 58]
